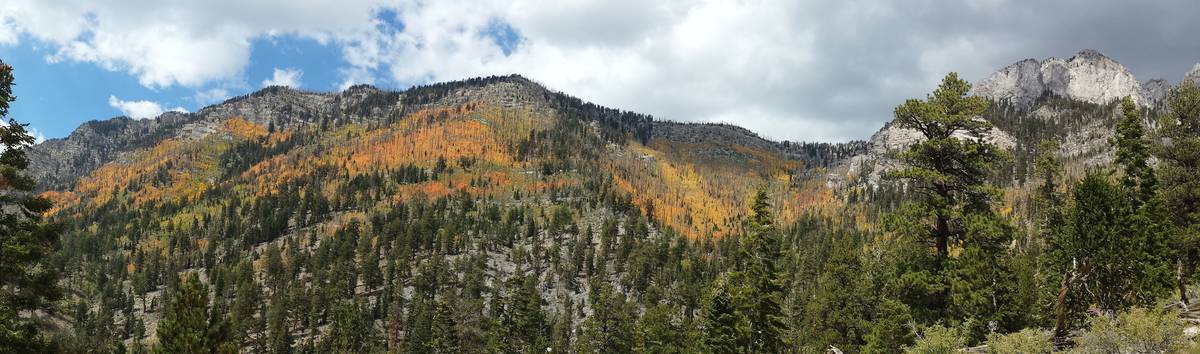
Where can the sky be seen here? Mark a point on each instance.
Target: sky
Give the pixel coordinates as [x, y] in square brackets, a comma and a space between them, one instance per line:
[810, 70]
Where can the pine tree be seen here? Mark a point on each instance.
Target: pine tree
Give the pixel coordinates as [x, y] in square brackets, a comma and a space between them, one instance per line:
[725, 329]
[352, 331]
[1150, 220]
[279, 332]
[524, 322]
[889, 329]
[1133, 154]
[564, 326]
[950, 167]
[189, 326]
[1049, 199]
[1180, 159]
[26, 277]
[836, 309]
[1108, 249]
[948, 171]
[444, 338]
[761, 248]
[658, 332]
[610, 328]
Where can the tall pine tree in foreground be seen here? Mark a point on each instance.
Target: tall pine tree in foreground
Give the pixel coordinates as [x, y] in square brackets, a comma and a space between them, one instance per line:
[948, 170]
[950, 166]
[27, 279]
[763, 280]
[1115, 250]
[1179, 154]
[1150, 217]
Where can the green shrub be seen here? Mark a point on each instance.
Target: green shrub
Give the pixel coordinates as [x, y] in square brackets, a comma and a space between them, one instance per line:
[1029, 340]
[1135, 331]
[938, 340]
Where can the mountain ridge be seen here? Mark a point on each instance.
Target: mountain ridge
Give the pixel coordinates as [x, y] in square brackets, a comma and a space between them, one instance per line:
[58, 161]
[1088, 76]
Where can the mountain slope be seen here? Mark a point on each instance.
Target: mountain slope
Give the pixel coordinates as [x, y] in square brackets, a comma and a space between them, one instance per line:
[505, 132]
[497, 172]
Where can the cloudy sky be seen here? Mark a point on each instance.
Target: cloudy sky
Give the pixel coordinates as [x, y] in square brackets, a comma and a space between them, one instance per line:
[787, 69]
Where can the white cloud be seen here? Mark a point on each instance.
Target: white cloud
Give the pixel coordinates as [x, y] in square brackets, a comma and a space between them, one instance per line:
[38, 137]
[186, 43]
[284, 77]
[139, 109]
[811, 69]
[210, 96]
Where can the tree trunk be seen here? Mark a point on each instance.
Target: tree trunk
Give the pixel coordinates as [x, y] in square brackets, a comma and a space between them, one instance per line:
[1060, 307]
[941, 235]
[1180, 275]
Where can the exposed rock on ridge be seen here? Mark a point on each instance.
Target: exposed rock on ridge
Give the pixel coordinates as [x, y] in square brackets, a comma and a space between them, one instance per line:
[879, 159]
[1088, 76]
[1194, 74]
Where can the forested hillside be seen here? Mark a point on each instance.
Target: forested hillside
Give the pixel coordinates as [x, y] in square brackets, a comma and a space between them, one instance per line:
[494, 215]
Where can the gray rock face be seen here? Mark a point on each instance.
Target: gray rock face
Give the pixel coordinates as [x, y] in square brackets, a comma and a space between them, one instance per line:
[879, 159]
[1194, 74]
[1155, 91]
[1021, 82]
[58, 162]
[1088, 76]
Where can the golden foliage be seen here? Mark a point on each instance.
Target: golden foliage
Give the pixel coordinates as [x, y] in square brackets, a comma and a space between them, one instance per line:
[699, 195]
[239, 127]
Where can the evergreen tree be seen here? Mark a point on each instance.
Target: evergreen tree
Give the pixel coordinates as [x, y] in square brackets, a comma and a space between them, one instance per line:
[836, 311]
[279, 332]
[1049, 199]
[725, 327]
[1150, 218]
[889, 329]
[523, 321]
[1133, 154]
[27, 279]
[765, 283]
[949, 172]
[658, 332]
[352, 330]
[1106, 249]
[189, 327]
[610, 328]
[1180, 159]
[444, 339]
[564, 326]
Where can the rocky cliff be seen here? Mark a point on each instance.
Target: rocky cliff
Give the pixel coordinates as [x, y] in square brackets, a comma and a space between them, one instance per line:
[1072, 101]
[1089, 76]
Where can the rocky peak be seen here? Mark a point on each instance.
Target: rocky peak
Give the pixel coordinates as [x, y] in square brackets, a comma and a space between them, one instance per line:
[1088, 76]
[1194, 74]
[1091, 54]
[1156, 90]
